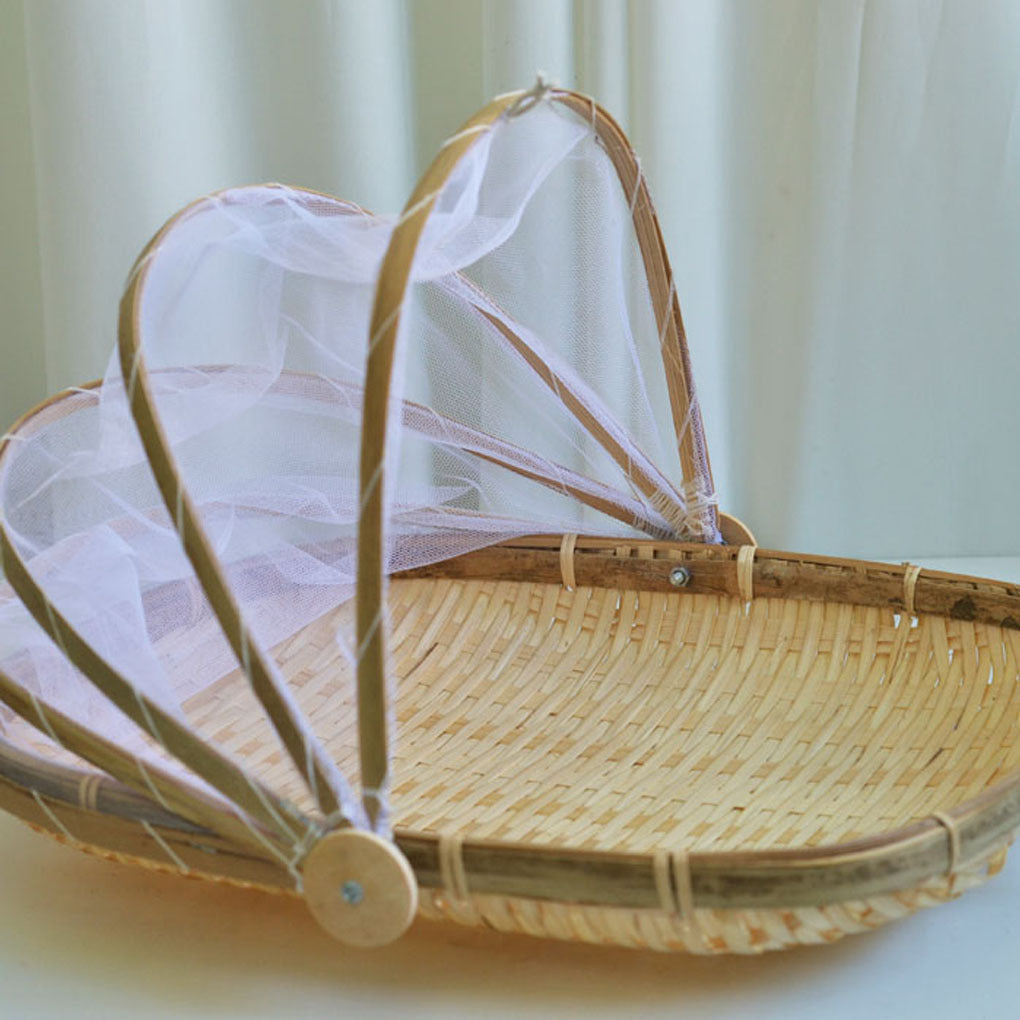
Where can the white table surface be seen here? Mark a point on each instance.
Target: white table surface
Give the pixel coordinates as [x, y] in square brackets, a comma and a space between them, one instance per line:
[82, 937]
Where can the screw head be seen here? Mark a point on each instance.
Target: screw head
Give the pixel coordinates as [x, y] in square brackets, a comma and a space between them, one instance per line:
[360, 887]
[352, 892]
[680, 577]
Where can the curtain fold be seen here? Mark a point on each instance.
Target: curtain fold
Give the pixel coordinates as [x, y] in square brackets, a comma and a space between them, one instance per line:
[838, 185]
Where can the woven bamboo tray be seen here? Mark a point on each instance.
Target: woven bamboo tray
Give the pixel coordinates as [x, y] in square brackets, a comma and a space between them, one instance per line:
[659, 744]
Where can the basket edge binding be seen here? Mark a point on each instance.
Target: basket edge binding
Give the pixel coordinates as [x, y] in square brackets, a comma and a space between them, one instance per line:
[102, 815]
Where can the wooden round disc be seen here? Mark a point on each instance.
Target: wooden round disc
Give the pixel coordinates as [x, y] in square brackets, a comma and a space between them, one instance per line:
[360, 888]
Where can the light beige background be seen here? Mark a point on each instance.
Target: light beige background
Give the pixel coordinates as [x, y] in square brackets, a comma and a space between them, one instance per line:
[838, 184]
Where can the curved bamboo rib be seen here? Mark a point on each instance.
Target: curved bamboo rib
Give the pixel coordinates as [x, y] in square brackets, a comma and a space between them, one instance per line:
[418, 418]
[282, 823]
[223, 775]
[783, 879]
[150, 781]
[640, 471]
[676, 358]
[385, 323]
[321, 776]
[651, 484]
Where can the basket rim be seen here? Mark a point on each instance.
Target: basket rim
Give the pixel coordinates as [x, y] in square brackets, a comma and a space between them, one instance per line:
[57, 798]
[876, 864]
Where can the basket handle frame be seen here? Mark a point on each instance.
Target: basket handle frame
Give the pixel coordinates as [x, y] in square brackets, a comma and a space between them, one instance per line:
[394, 279]
[305, 751]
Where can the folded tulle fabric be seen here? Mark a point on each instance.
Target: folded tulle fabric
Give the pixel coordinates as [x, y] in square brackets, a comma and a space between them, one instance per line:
[529, 398]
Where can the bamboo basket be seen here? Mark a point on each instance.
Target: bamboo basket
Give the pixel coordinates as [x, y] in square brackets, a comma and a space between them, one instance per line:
[672, 745]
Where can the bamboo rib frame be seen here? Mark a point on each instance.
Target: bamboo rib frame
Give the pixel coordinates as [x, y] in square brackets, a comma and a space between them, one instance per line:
[783, 751]
[384, 328]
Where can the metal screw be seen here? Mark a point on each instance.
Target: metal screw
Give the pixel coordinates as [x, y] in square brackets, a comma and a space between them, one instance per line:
[352, 893]
[680, 577]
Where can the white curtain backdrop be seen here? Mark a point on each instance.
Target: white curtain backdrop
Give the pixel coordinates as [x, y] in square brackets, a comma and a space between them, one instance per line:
[838, 182]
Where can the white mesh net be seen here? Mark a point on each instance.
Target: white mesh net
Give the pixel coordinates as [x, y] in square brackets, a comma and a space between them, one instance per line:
[529, 397]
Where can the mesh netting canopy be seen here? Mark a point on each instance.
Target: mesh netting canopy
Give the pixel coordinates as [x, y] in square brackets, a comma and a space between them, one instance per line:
[528, 395]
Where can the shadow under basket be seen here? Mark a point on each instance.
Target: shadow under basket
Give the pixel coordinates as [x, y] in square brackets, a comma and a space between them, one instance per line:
[835, 737]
